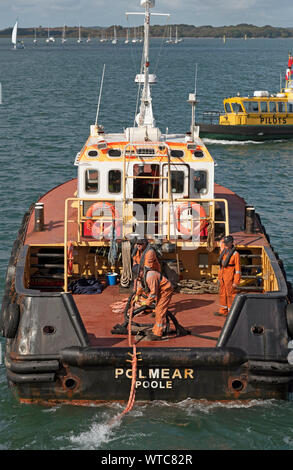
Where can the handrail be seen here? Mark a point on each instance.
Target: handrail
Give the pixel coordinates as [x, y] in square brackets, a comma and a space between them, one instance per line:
[81, 218]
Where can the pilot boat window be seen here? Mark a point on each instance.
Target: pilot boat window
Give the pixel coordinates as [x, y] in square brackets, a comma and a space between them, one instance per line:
[281, 107]
[251, 106]
[227, 108]
[114, 153]
[114, 181]
[273, 107]
[263, 106]
[200, 182]
[91, 181]
[290, 107]
[236, 107]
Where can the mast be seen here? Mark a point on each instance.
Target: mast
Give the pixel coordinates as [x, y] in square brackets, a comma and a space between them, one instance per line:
[14, 35]
[145, 118]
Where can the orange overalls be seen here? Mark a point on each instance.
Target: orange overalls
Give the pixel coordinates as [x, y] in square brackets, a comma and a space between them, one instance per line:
[150, 260]
[160, 291]
[229, 275]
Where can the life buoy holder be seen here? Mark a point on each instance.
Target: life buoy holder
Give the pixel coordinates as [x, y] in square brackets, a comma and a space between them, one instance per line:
[96, 229]
[201, 228]
[69, 258]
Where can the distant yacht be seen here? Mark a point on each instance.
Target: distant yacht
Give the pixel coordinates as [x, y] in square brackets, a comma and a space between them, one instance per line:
[177, 40]
[170, 40]
[104, 37]
[79, 35]
[88, 38]
[50, 38]
[224, 39]
[35, 39]
[134, 40]
[141, 35]
[63, 40]
[127, 37]
[17, 44]
[114, 40]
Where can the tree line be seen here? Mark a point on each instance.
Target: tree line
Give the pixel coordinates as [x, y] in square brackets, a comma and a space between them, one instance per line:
[184, 31]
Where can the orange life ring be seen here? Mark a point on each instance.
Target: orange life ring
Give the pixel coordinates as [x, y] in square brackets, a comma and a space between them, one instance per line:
[96, 228]
[202, 219]
[69, 258]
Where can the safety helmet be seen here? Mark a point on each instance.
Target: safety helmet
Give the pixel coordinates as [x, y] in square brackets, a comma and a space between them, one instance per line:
[141, 241]
[228, 239]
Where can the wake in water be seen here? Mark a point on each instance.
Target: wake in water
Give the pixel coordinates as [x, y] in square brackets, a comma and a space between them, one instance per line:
[240, 142]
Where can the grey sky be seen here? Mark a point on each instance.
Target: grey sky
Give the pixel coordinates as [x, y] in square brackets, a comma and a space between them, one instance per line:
[108, 12]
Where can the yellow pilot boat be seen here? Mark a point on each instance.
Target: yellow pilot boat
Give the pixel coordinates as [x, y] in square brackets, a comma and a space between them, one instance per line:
[263, 116]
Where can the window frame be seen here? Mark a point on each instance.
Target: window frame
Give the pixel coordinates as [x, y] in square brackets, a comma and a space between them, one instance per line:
[86, 180]
[109, 171]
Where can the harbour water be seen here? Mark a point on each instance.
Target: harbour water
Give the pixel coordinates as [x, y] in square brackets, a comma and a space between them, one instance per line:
[49, 99]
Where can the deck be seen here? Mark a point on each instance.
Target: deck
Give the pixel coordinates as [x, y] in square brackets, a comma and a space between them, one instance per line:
[194, 312]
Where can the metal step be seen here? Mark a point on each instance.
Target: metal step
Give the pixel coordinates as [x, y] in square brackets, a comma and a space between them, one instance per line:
[251, 266]
[47, 265]
[49, 276]
[48, 255]
[250, 256]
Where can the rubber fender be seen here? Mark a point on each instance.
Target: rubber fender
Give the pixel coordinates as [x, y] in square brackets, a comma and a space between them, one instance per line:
[10, 320]
[289, 317]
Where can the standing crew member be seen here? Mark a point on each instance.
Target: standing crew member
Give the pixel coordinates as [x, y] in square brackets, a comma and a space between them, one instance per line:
[160, 292]
[145, 256]
[229, 274]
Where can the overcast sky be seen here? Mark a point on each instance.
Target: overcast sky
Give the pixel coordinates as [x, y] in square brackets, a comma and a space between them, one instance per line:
[109, 12]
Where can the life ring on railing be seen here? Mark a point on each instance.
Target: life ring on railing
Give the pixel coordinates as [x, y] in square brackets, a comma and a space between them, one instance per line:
[69, 258]
[96, 229]
[200, 228]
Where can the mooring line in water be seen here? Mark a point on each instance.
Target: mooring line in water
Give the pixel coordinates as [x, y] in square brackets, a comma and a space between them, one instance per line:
[133, 361]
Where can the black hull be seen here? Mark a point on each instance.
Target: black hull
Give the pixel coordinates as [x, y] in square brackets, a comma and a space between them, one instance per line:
[249, 361]
[257, 133]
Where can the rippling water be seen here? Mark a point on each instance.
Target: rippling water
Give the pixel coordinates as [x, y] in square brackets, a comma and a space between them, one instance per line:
[49, 98]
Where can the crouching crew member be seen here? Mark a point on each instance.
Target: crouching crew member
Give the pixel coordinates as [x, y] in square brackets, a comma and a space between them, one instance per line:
[159, 292]
[144, 256]
[229, 274]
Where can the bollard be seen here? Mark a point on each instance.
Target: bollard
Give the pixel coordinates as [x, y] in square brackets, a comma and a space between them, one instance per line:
[39, 217]
[249, 219]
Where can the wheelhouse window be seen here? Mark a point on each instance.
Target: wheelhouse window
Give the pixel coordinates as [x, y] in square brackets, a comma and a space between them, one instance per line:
[273, 107]
[251, 106]
[114, 181]
[281, 106]
[177, 182]
[200, 180]
[91, 181]
[263, 106]
[237, 108]
[290, 107]
[227, 108]
[114, 153]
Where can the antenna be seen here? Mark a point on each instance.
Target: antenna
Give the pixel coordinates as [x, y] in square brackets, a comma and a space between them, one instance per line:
[192, 100]
[100, 95]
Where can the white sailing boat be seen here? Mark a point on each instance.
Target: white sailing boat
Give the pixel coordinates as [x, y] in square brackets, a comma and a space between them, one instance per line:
[79, 35]
[63, 40]
[127, 37]
[103, 37]
[35, 39]
[134, 40]
[170, 40]
[114, 40]
[88, 38]
[177, 40]
[50, 38]
[14, 35]
[17, 44]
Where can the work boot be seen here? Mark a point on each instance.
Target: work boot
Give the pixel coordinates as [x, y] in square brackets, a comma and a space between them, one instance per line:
[151, 337]
[219, 314]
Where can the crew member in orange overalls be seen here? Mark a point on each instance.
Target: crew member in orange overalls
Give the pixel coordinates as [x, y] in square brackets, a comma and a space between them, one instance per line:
[160, 293]
[150, 258]
[229, 274]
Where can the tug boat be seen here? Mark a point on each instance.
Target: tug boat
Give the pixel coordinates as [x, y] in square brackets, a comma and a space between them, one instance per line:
[263, 116]
[65, 343]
